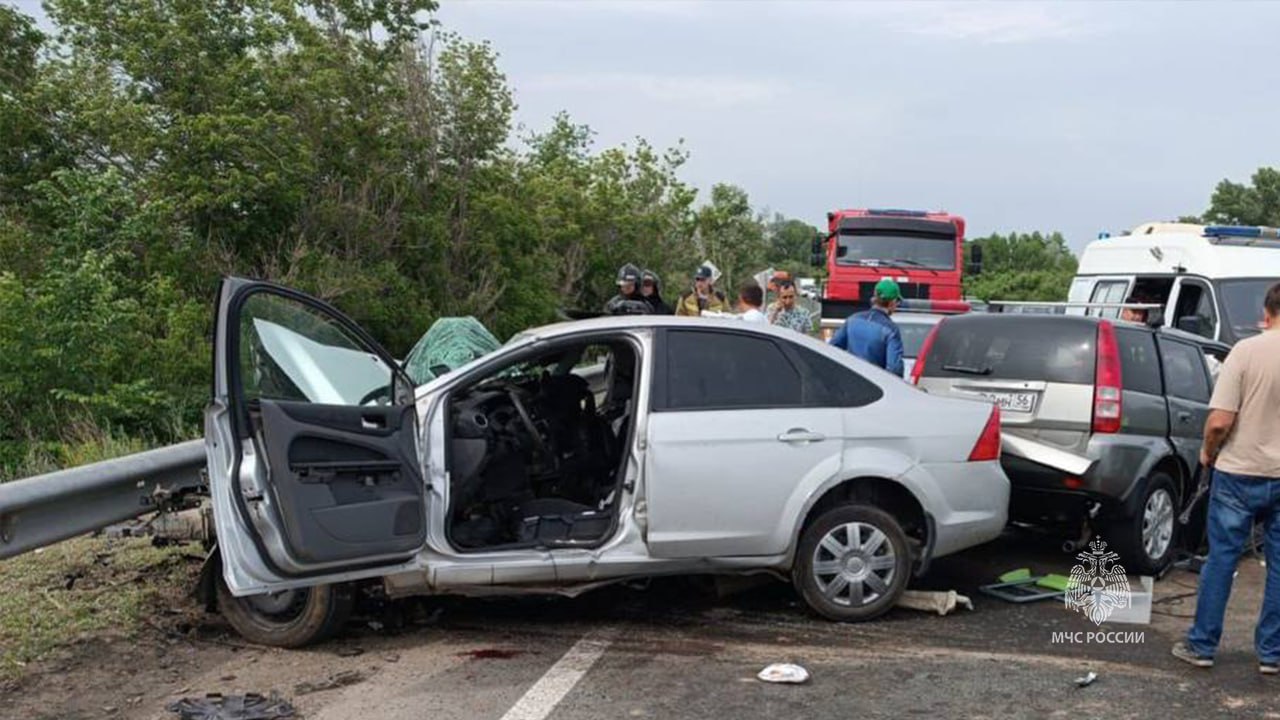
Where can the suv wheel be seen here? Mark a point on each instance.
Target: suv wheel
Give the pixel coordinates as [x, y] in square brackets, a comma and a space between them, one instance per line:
[288, 619]
[1146, 540]
[852, 564]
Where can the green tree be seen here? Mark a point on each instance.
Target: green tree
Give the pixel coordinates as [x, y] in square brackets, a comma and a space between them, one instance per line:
[1257, 203]
[1021, 266]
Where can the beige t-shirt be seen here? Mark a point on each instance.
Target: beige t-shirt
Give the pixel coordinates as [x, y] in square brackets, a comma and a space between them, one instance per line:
[1249, 385]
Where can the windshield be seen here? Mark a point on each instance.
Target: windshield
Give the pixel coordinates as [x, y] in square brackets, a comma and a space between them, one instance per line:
[1242, 304]
[933, 253]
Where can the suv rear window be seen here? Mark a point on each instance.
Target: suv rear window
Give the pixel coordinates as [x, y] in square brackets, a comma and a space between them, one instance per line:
[1009, 347]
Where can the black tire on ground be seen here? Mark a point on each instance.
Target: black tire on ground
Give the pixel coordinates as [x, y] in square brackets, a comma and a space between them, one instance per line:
[288, 620]
[1126, 534]
[843, 606]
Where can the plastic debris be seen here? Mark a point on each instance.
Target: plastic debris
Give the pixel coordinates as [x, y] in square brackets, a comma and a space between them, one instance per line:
[784, 673]
[1087, 680]
[251, 706]
[934, 601]
[333, 682]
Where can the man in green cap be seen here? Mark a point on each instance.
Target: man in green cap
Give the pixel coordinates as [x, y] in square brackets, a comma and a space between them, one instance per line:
[872, 335]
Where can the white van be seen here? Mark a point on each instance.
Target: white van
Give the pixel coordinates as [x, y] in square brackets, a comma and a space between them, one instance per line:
[1210, 279]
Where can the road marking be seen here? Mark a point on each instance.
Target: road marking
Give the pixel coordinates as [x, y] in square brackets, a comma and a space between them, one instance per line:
[538, 702]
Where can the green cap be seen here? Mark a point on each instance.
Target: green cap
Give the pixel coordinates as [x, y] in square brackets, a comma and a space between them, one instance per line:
[888, 290]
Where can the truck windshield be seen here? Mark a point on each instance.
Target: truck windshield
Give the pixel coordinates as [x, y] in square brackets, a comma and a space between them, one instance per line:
[1242, 303]
[904, 251]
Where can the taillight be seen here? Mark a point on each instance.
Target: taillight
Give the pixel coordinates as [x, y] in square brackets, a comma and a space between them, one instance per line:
[1107, 382]
[925, 347]
[988, 445]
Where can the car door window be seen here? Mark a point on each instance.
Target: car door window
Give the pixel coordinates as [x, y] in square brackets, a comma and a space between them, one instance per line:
[291, 351]
[722, 370]
[828, 383]
[1184, 371]
[1139, 364]
[1195, 312]
[1108, 291]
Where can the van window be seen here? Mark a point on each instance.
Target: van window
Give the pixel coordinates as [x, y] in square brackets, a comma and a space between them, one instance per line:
[1139, 364]
[1058, 349]
[1109, 291]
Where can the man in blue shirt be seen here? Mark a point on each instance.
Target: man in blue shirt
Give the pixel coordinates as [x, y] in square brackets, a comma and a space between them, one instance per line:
[872, 335]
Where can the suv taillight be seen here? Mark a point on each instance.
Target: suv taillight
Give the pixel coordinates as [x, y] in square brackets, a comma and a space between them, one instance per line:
[1107, 382]
[988, 445]
[925, 347]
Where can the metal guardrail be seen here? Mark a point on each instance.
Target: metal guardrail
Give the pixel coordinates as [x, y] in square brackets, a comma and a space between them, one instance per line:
[45, 509]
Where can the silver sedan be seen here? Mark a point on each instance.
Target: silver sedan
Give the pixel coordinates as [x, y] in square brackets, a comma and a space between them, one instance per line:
[578, 454]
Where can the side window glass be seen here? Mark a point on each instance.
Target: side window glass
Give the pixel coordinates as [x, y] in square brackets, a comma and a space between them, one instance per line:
[1184, 371]
[831, 384]
[1108, 291]
[1139, 364]
[720, 370]
[291, 351]
[1194, 311]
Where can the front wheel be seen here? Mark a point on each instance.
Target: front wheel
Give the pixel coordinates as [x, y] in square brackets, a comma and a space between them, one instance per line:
[288, 619]
[1146, 540]
[853, 563]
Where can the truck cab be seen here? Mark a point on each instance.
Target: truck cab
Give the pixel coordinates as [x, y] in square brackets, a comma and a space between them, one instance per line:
[1209, 280]
[922, 251]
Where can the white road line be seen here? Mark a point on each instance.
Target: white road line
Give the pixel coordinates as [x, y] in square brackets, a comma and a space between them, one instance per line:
[538, 702]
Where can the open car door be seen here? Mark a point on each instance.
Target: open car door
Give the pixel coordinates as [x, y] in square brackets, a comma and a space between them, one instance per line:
[312, 441]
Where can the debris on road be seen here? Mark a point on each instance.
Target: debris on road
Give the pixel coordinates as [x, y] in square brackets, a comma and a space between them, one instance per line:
[1020, 586]
[491, 654]
[936, 601]
[333, 682]
[1087, 680]
[251, 706]
[784, 673]
[349, 652]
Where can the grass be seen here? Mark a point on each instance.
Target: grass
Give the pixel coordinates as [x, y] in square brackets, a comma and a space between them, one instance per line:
[88, 587]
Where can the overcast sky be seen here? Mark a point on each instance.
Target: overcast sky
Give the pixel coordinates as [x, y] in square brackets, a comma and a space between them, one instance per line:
[1074, 117]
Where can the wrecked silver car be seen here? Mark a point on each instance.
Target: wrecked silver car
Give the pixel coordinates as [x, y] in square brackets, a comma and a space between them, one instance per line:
[577, 454]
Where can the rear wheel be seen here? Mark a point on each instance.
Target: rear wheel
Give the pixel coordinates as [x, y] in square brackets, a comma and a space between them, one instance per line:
[852, 564]
[288, 619]
[1146, 540]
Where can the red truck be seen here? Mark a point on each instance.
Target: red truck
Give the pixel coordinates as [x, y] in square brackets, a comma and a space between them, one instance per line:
[923, 251]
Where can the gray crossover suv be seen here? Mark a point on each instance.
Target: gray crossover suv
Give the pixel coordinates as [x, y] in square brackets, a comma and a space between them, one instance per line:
[1102, 419]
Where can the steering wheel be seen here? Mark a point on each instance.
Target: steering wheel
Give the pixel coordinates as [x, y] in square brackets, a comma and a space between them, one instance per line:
[527, 420]
[374, 394]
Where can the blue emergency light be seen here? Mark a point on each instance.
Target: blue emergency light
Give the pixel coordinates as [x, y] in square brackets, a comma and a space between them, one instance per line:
[1243, 231]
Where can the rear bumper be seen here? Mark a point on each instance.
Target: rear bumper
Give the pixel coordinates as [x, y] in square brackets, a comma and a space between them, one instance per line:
[968, 503]
[1040, 493]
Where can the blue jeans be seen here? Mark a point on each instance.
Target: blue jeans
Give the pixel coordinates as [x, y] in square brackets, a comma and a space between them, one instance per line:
[1233, 504]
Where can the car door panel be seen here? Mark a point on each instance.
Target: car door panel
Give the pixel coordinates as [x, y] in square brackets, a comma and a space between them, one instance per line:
[1187, 385]
[311, 478]
[719, 481]
[345, 479]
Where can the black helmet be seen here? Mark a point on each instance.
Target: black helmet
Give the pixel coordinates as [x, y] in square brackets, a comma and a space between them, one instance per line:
[629, 273]
[649, 276]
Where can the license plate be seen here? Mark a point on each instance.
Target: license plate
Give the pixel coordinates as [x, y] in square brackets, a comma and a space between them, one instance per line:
[1012, 401]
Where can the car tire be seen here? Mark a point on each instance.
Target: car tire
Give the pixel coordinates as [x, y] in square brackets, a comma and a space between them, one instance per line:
[1147, 541]
[852, 579]
[291, 619]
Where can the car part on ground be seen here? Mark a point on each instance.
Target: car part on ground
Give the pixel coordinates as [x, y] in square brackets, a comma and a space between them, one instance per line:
[251, 706]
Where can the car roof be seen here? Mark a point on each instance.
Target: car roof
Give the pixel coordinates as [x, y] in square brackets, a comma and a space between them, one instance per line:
[640, 322]
[1172, 333]
[917, 317]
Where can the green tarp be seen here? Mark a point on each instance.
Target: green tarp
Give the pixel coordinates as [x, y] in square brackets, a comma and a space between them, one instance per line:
[449, 344]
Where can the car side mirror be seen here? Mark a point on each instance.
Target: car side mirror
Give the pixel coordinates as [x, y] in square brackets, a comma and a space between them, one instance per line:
[1155, 317]
[817, 254]
[975, 260]
[1192, 324]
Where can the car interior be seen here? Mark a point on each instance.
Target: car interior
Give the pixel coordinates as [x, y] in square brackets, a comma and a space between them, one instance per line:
[536, 450]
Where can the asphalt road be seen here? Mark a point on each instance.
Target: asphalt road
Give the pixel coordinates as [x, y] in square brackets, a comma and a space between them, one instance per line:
[676, 649]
